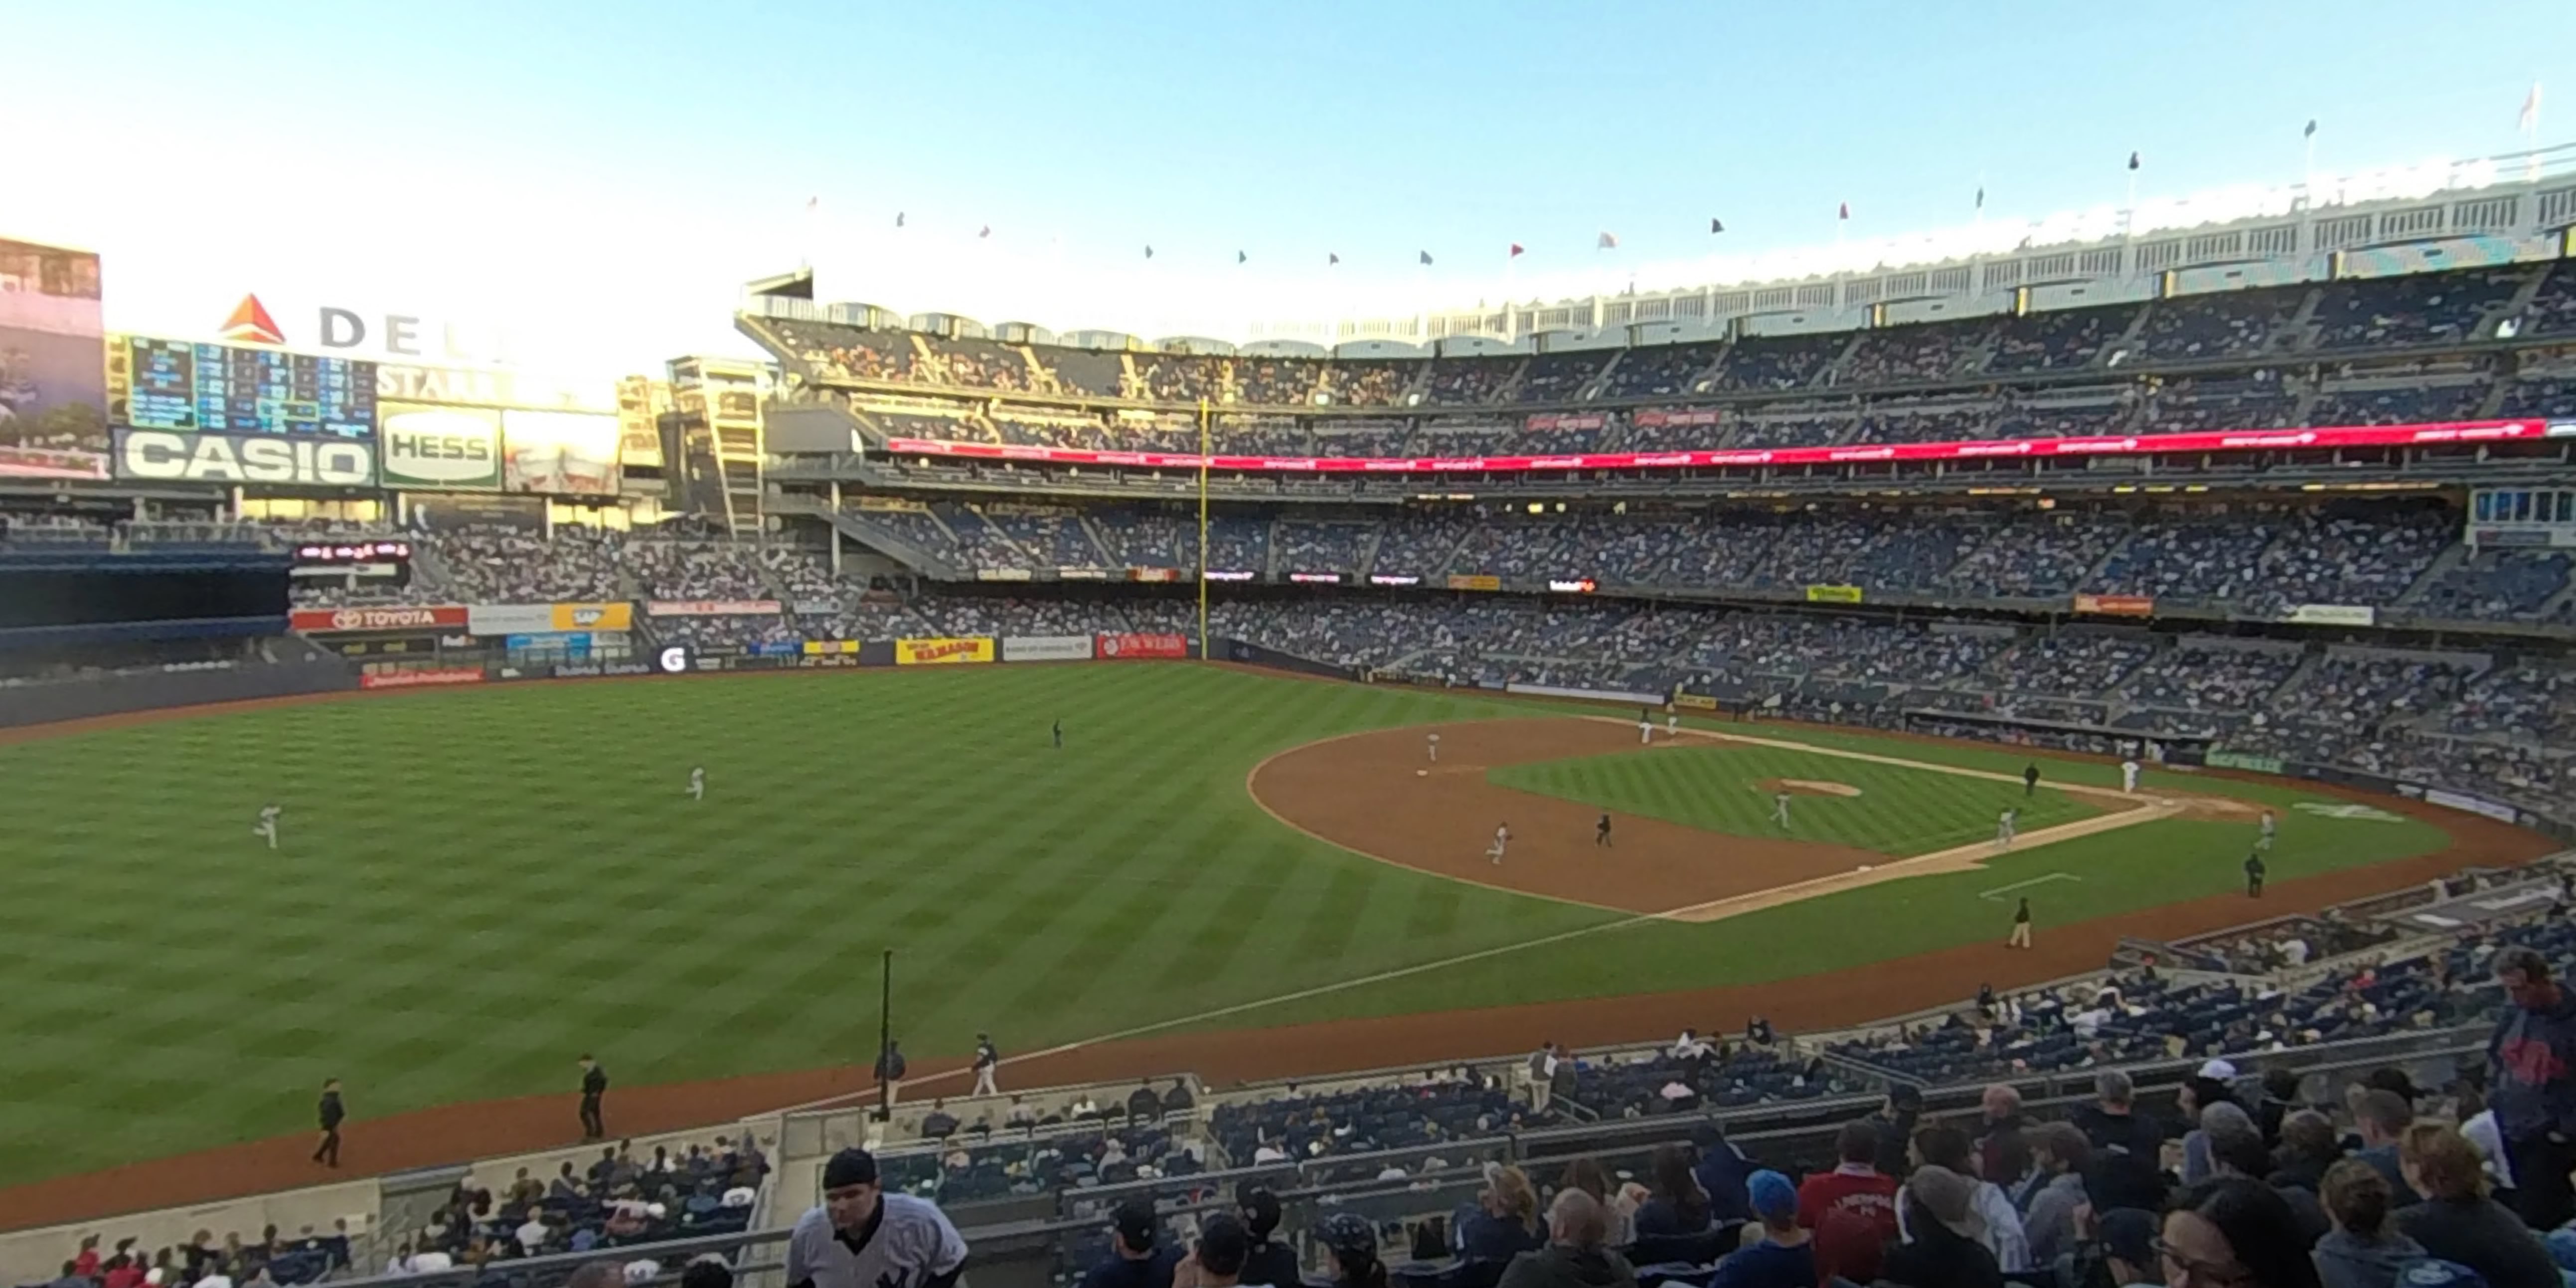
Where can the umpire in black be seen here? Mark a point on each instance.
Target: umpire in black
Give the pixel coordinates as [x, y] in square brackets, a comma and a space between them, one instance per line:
[594, 1086]
[2030, 779]
[330, 1112]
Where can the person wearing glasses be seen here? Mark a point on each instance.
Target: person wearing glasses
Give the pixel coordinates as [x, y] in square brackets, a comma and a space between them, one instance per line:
[2234, 1233]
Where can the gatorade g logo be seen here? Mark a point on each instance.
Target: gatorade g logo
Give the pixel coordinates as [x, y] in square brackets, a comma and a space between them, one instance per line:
[674, 660]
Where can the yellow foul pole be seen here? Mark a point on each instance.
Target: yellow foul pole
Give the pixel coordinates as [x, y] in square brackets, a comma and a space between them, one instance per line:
[1203, 525]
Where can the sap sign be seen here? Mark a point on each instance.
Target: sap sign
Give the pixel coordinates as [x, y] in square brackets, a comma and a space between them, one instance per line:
[160, 456]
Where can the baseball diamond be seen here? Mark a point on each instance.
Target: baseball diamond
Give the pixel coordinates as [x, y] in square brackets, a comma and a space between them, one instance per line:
[545, 846]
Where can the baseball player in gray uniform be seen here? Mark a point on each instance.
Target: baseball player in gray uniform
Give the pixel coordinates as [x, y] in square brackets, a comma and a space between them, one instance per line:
[862, 1237]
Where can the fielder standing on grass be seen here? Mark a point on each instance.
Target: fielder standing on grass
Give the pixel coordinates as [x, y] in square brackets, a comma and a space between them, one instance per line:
[2264, 841]
[859, 1236]
[986, 1061]
[1780, 809]
[1057, 731]
[267, 825]
[2129, 777]
[2021, 926]
[2006, 825]
[697, 782]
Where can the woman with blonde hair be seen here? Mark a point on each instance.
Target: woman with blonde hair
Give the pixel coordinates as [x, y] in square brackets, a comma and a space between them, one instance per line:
[2457, 1221]
[1504, 1222]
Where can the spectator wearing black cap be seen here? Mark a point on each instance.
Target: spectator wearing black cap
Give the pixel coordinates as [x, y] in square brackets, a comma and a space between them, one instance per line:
[938, 1124]
[1264, 1262]
[1894, 1123]
[859, 1236]
[1352, 1241]
[1136, 1257]
[1217, 1260]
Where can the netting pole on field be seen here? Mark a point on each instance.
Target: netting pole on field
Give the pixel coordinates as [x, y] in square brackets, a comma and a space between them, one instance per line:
[885, 1040]
[1204, 448]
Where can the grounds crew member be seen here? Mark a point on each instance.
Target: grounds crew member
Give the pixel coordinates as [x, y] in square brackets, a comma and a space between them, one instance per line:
[594, 1085]
[2030, 779]
[859, 1236]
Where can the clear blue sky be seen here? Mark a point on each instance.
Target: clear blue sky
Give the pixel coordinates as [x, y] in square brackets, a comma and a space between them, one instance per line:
[654, 152]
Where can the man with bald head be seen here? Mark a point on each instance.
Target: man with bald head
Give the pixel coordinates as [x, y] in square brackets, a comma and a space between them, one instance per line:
[1575, 1255]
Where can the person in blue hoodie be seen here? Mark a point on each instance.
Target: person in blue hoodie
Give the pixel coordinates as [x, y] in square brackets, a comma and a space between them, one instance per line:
[2531, 1068]
[1783, 1257]
[1723, 1171]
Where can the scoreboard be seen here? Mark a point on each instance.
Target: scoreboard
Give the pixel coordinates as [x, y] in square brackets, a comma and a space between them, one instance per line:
[223, 389]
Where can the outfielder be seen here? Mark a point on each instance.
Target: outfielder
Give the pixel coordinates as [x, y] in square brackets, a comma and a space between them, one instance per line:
[2129, 777]
[986, 1061]
[1434, 747]
[1502, 840]
[2264, 842]
[2005, 823]
[698, 783]
[267, 826]
[1780, 809]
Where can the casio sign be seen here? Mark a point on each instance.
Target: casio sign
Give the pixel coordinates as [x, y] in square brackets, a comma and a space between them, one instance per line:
[222, 458]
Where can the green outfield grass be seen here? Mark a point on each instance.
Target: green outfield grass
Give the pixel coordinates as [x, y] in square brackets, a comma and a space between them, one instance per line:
[1900, 811]
[476, 886]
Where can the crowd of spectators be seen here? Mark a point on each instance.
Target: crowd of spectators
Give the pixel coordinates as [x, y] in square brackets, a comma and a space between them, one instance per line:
[622, 1198]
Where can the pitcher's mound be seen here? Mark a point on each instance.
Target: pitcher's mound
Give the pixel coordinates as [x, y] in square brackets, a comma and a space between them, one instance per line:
[1807, 787]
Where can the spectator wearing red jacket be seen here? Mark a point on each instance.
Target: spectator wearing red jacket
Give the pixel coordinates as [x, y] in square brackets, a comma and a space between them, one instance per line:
[1852, 1208]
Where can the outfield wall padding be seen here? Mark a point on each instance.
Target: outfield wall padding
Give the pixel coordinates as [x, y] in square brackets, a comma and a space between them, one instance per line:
[122, 692]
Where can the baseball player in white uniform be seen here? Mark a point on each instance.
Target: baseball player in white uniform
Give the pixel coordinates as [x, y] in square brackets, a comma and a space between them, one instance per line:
[1672, 724]
[1780, 809]
[1645, 729]
[2264, 842]
[862, 1237]
[1434, 747]
[1502, 841]
[2005, 823]
[698, 783]
[986, 1061]
[266, 828]
[2129, 777]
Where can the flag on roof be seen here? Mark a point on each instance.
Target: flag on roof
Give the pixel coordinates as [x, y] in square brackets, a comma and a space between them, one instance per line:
[1331, 259]
[1516, 251]
[2311, 131]
[1149, 252]
[1426, 257]
[988, 231]
[2530, 109]
[1981, 196]
[1716, 225]
[1239, 257]
[2133, 160]
[898, 219]
[1609, 241]
[1845, 212]
[811, 202]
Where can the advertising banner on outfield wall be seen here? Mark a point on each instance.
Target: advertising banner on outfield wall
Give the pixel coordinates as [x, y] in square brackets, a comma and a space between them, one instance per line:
[2219, 759]
[942, 651]
[712, 608]
[1588, 695]
[163, 456]
[2116, 605]
[2334, 615]
[324, 621]
[1474, 581]
[421, 677]
[1694, 702]
[529, 619]
[1833, 594]
[827, 648]
[1135, 645]
[2473, 804]
[1046, 648]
